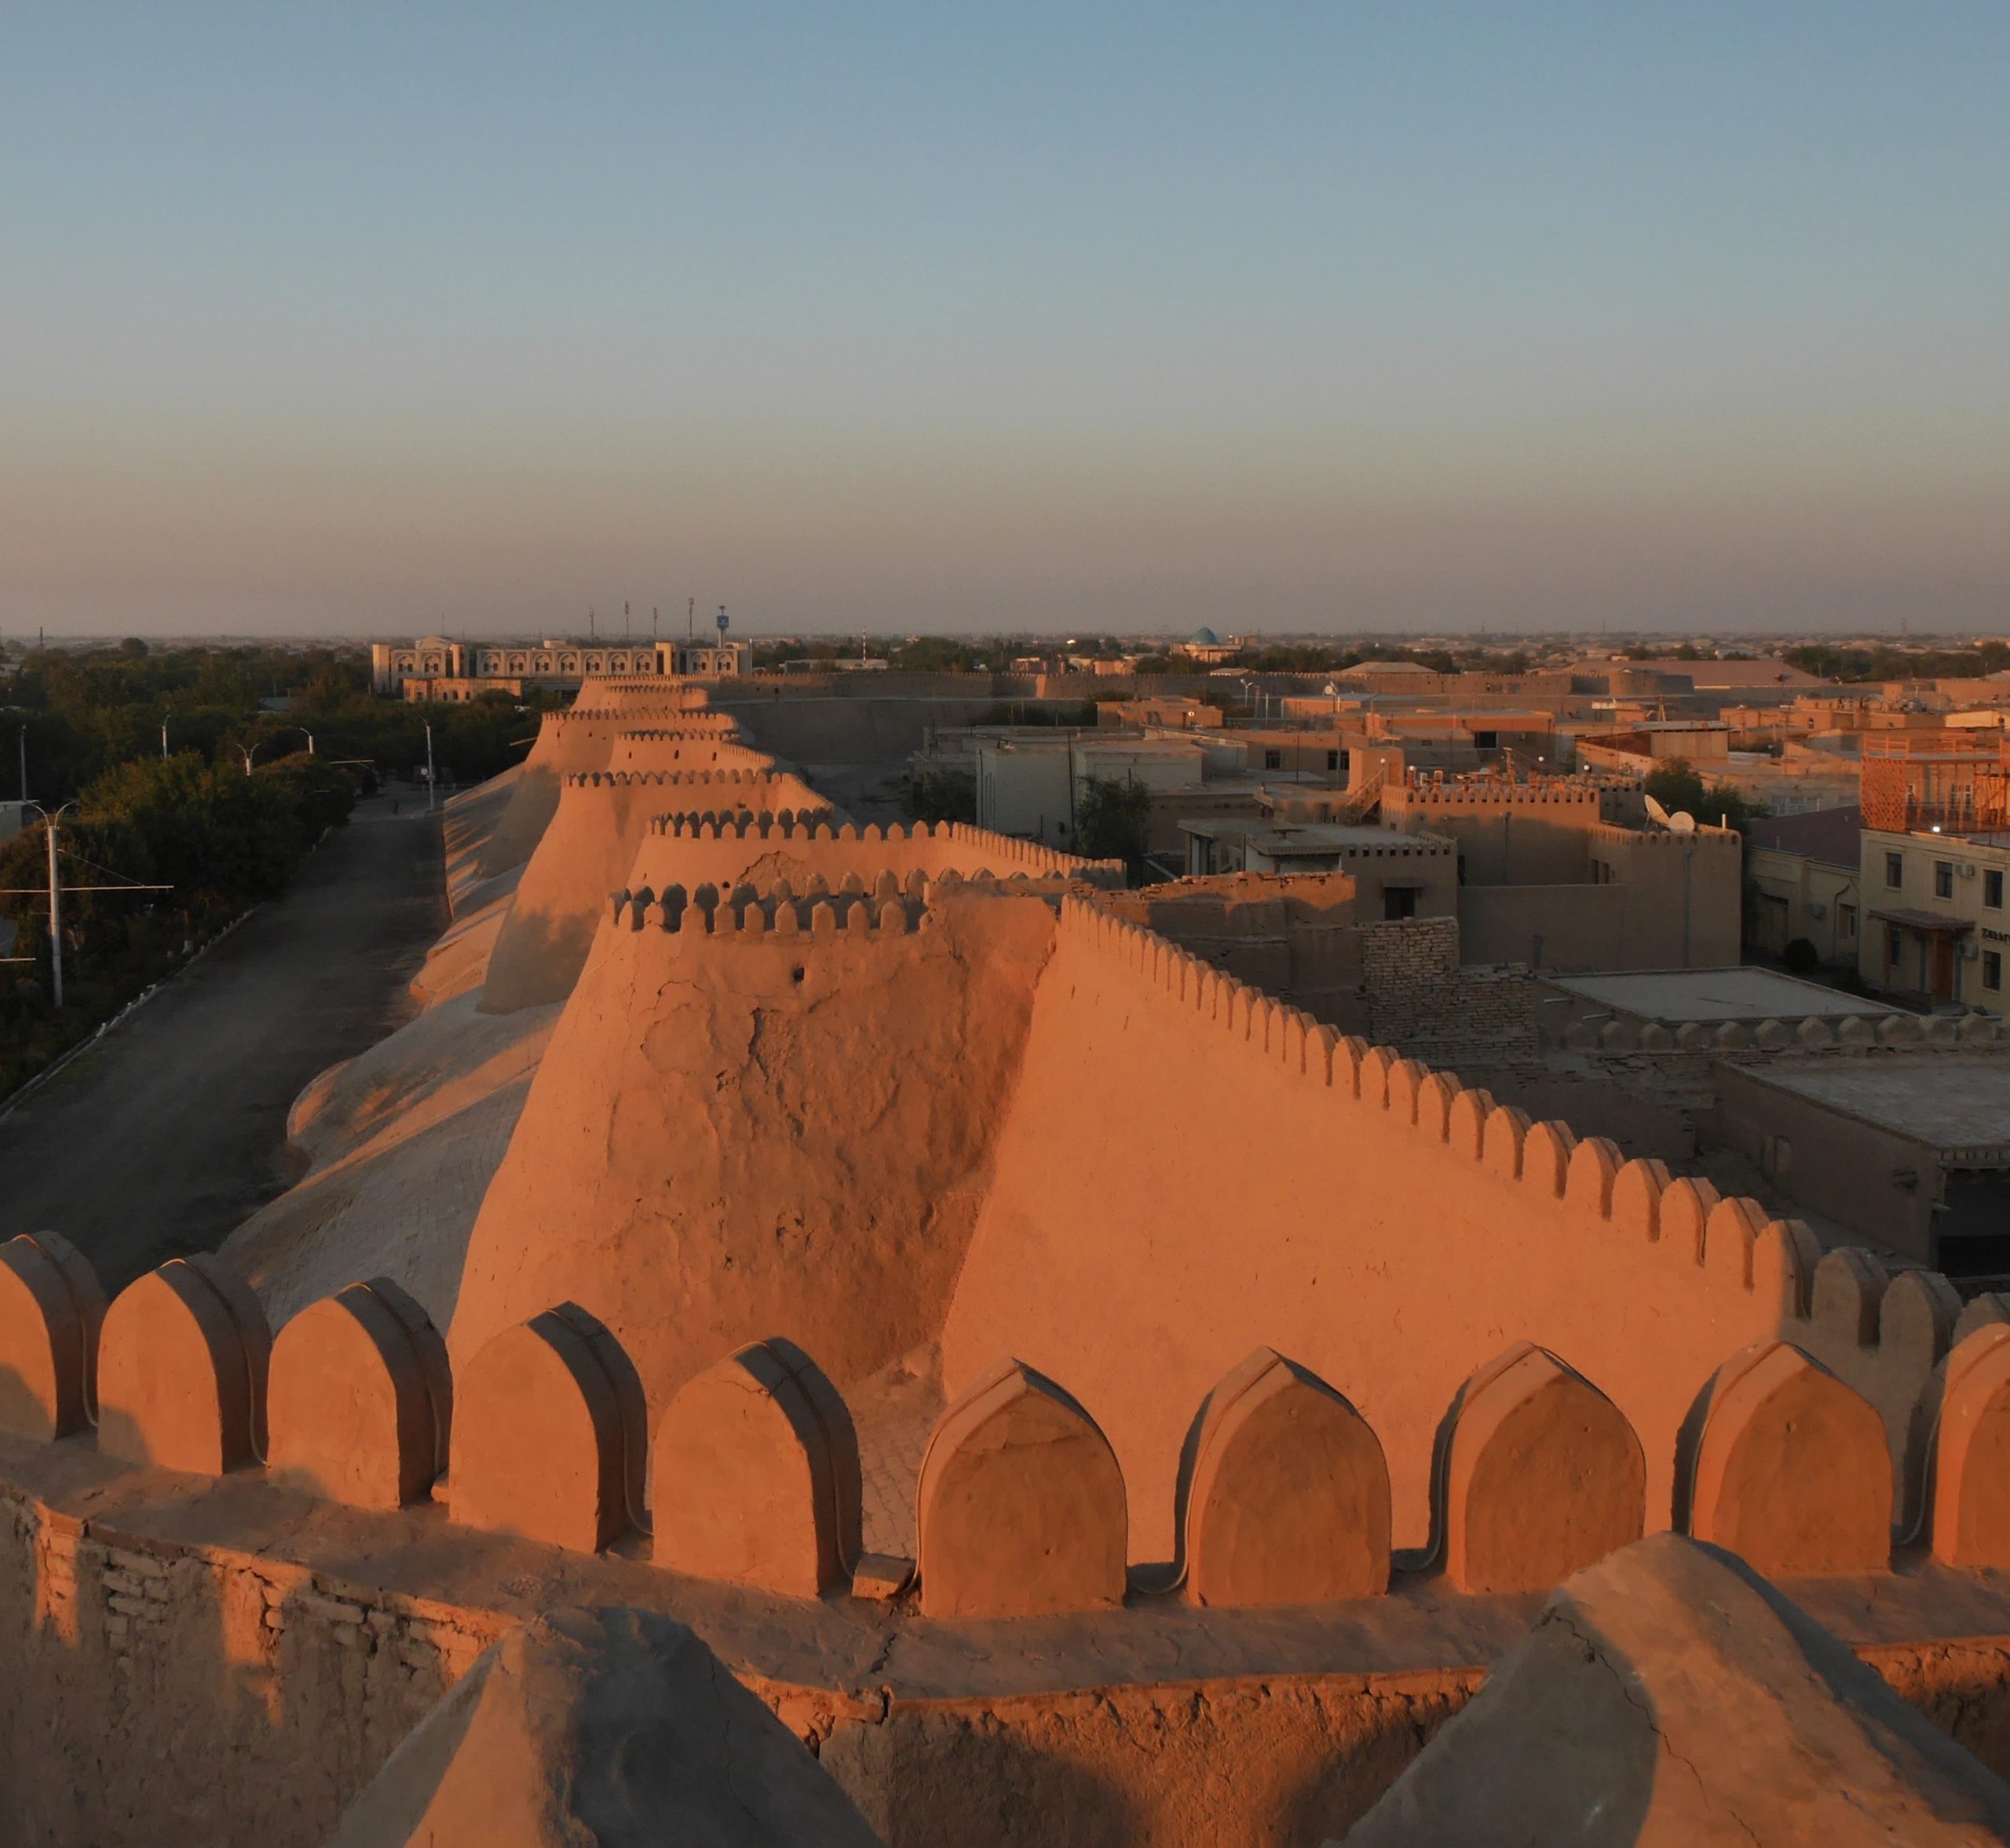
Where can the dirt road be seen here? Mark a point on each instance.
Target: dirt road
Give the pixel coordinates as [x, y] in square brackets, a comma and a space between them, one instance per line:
[171, 1130]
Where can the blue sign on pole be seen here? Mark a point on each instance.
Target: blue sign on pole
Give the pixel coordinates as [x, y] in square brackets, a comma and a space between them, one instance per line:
[722, 619]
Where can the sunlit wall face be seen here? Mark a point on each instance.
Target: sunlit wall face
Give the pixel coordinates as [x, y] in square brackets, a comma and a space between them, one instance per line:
[906, 318]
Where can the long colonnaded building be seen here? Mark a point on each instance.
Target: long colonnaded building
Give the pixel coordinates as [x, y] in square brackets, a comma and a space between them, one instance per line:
[436, 667]
[1074, 1396]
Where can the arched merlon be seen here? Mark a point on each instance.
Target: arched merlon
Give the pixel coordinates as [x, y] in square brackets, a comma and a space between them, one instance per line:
[548, 1439]
[1020, 1511]
[360, 1399]
[181, 1369]
[51, 1308]
[755, 1476]
[1262, 1186]
[1790, 1470]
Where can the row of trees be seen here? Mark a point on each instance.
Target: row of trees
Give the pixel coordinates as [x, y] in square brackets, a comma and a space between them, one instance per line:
[86, 712]
[190, 820]
[1858, 665]
[216, 839]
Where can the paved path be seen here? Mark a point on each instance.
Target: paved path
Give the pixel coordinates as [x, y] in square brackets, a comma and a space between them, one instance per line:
[171, 1130]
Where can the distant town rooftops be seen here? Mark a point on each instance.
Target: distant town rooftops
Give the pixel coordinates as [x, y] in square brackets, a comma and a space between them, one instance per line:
[1675, 996]
[1712, 676]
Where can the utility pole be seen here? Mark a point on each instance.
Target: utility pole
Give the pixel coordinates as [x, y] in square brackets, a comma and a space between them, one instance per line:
[24, 760]
[431, 783]
[163, 740]
[50, 819]
[54, 918]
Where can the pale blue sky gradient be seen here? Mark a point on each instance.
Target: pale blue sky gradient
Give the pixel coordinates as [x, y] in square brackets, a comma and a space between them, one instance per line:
[362, 318]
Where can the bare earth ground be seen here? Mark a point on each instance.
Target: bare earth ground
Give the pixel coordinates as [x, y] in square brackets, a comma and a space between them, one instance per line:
[171, 1130]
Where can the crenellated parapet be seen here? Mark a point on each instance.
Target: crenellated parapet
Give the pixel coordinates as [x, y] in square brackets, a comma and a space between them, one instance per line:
[1563, 1234]
[713, 824]
[1719, 840]
[1552, 794]
[887, 909]
[751, 1475]
[1827, 1032]
[859, 903]
[720, 845]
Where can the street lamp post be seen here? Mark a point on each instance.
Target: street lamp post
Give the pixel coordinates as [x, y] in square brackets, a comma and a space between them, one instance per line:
[431, 781]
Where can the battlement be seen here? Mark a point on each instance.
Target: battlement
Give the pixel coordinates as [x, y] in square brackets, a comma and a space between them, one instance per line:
[691, 850]
[1416, 1218]
[755, 772]
[693, 724]
[887, 909]
[598, 715]
[1021, 1506]
[1805, 1033]
[1492, 795]
[1718, 840]
[712, 824]
[860, 904]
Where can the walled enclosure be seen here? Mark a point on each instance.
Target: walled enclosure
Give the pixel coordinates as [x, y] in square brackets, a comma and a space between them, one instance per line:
[818, 1100]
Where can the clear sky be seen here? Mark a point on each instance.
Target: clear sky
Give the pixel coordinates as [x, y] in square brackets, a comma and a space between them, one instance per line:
[367, 318]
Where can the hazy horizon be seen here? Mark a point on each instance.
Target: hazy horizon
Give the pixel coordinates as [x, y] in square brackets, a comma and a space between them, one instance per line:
[1124, 319]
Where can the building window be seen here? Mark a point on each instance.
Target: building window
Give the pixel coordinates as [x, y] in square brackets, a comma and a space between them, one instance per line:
[1273, 760]
[1894, 948]
[1943, 879]
[1333, 763]
[1894, 871]
[1992, 889]
[1846, 920]
[1398, 902]
[1992, 969]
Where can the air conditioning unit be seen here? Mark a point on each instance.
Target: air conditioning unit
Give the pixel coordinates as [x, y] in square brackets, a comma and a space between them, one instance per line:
[1818, 910]
[1968, 869]
[1970, 952]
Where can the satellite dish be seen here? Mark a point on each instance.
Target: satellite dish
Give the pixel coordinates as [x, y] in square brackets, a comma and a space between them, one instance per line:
[1682, 822]
[1657, 813]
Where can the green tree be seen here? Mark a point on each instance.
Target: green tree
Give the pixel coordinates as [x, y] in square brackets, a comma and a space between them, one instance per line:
[1674, 783]
[1113, 821]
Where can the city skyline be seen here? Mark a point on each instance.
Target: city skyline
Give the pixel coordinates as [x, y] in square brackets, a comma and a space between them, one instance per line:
[325, 324]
